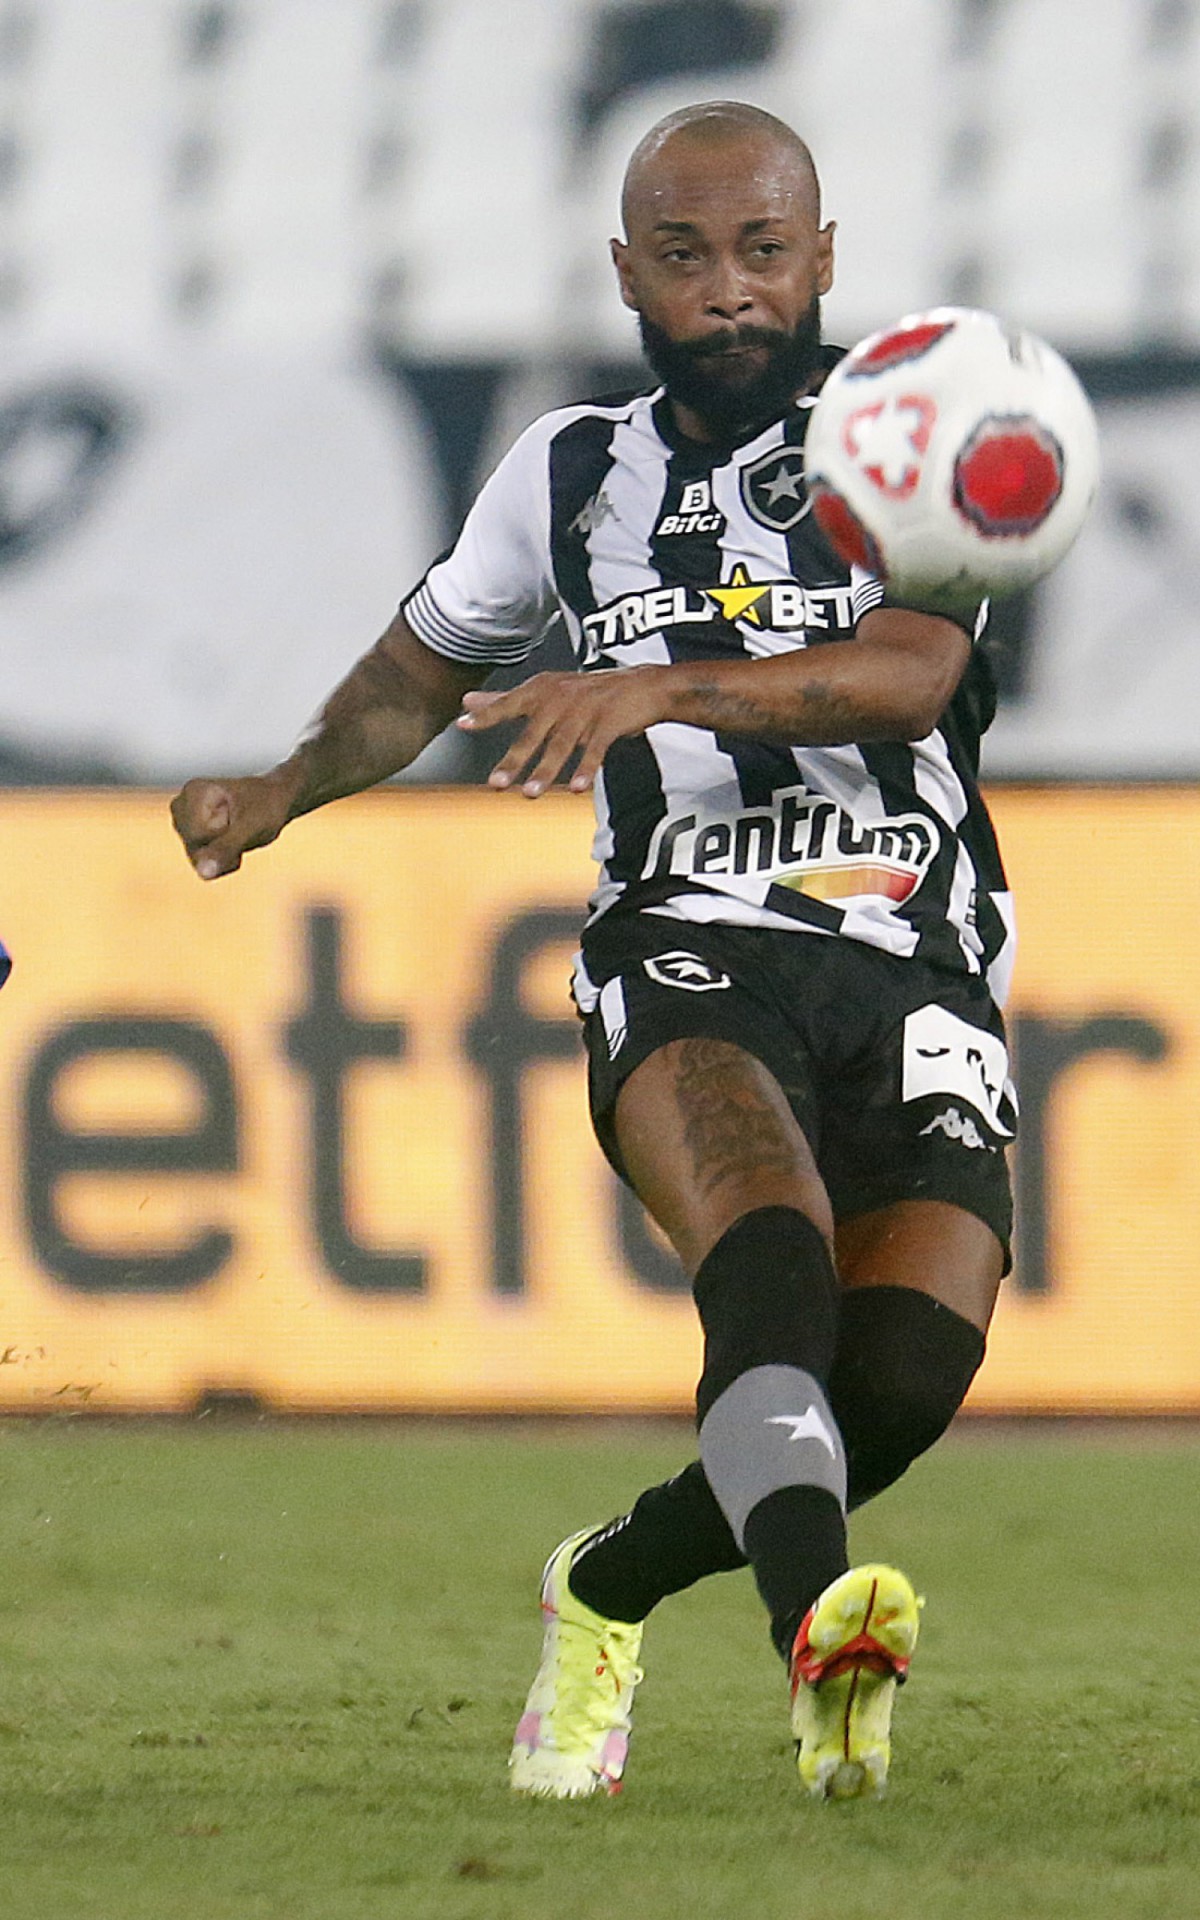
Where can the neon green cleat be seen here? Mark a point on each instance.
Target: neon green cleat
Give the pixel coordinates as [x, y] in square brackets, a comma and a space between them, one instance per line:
[851, 1653]
[573, 1736]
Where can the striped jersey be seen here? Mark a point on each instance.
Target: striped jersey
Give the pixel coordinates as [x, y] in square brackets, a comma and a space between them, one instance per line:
[650, 547]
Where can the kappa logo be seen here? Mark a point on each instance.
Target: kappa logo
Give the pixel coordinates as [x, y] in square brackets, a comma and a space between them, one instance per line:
[593, 513]
[773, 490]
[805, 1426]
[958, 1126]
[686, 970]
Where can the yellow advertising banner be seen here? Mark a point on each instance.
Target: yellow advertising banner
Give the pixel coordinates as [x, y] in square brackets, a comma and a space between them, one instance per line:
[318, 1134]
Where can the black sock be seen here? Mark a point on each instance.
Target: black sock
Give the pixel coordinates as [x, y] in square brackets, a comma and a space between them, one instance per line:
[768, 1300]
[904, 1363]
[796, 1543]
[675, 1534]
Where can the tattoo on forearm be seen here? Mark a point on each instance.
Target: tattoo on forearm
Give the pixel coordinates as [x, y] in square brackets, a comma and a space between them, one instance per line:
[816, 711]
[376, 722]
[730, 1127]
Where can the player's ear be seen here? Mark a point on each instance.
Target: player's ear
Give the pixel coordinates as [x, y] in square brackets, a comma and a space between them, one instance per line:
[825, 256]
[619, 250]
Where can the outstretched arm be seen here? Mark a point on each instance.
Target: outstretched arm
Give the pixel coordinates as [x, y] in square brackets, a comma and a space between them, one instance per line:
[391, 704]
[891, 681]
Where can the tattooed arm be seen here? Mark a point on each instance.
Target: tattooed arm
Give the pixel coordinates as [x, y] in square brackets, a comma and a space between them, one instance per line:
[892, 681]
[391, 704]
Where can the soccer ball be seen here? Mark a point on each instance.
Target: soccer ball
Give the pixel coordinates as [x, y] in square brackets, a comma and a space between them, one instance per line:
[953, 455]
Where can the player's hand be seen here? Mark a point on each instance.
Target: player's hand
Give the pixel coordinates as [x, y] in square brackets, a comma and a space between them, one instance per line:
[565, 714]
[220, 820]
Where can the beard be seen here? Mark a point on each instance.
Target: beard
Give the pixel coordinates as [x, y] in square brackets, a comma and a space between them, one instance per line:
[730, 393]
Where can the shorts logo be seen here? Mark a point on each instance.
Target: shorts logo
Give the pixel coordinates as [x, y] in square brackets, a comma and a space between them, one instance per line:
[773, 490]
[686, 970]
[957, 1126]
[943, 1054]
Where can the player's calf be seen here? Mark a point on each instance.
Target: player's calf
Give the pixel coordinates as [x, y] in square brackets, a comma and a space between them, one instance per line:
[903, 1365]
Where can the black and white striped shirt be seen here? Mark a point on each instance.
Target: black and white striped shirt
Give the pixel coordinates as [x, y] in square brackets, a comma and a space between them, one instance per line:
[654, 548]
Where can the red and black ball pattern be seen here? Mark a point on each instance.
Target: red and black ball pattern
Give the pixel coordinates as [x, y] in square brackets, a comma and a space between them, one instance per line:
[1008, 476]
[894, 348]
[843, 529]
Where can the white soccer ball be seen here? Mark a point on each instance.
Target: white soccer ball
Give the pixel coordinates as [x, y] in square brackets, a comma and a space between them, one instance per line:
[954, 455]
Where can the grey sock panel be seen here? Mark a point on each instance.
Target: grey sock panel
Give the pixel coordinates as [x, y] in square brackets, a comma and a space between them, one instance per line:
[770, 1428]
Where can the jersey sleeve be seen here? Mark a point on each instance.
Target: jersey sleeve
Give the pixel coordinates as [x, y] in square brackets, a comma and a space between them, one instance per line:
[866, 591]
[491, 598]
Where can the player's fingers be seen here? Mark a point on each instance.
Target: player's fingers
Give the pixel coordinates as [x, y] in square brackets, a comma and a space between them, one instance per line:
[525, 747]
[573, 734]
[560, 744]
[200, 811]
[590, 761]
[219, 857]
[486, 710]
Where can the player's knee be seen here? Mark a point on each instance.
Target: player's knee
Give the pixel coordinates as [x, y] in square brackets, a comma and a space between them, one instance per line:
[903, 1366]
[767, 1296]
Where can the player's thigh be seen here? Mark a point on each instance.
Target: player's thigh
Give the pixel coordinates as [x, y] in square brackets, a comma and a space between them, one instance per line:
[706, 1135]
[931, 1245]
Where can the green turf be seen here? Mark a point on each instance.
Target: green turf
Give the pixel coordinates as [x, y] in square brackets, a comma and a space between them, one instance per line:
[270, 1673]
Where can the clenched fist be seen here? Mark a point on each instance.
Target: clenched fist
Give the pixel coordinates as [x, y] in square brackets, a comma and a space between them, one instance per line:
[220, 820]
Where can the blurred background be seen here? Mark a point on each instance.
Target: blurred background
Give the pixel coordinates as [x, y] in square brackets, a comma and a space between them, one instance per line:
[279, 281]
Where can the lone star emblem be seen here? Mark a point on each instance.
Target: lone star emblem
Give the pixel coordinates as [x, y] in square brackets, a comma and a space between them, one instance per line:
[739, 597]
[805, 1426]
[773, 490]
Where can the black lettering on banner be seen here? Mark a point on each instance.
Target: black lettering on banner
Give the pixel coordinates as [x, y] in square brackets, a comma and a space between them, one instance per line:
[1044, 1050]
[503, 1041]
[324, 1041]
[55, 1151]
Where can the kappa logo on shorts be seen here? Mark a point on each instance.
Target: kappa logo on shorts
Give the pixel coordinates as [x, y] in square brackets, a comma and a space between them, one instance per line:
[958, 1126]
[946, 1055]
[686, 970]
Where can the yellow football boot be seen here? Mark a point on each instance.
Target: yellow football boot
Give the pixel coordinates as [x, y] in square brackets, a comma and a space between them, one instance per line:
[850, 1654]
[573, 1736]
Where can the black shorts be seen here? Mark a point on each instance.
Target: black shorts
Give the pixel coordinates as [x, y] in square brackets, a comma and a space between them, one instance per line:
[896, 1071]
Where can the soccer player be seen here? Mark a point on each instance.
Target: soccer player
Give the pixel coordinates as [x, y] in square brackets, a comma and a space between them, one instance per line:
[792, 969]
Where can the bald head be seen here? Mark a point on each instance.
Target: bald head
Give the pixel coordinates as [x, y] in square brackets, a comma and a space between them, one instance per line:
[724, 262]
[755, 141]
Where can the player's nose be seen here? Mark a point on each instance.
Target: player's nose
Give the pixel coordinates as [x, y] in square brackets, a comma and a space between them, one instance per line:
[729, 298]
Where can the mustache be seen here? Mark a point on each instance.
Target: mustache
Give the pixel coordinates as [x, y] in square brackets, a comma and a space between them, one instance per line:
[716, 346]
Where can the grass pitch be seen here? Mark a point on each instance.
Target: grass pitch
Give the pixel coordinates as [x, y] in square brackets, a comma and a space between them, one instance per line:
[257, 1672]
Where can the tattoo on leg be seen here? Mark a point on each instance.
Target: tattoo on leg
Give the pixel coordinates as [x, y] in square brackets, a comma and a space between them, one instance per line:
[728, 1126]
